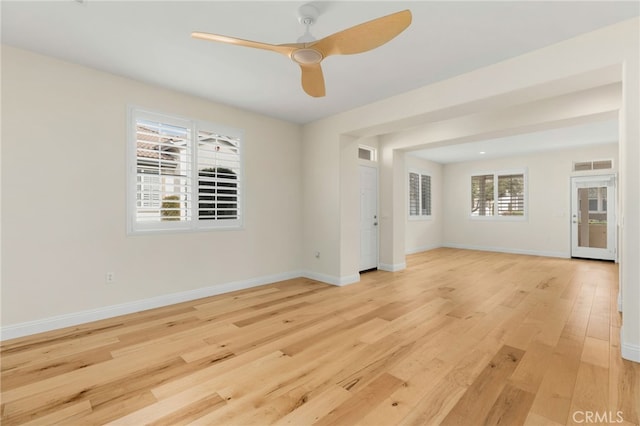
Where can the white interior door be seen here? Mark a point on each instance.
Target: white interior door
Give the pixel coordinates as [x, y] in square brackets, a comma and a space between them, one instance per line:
[368, 218]
[593, 218]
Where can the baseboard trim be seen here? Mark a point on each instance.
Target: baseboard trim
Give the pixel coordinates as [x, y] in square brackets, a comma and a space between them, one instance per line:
[628, 351]
[509, 250]
[392, 268]
[421, 249]
[330, 279]
[69, 320]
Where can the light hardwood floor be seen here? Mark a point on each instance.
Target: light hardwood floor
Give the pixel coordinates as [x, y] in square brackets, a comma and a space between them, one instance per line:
[458, 338]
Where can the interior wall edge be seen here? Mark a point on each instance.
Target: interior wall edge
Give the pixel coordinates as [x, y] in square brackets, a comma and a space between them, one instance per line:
[559, 254]
[628, 351]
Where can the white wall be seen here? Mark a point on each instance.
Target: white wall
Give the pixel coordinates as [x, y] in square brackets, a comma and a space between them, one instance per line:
[63, 196]
[425, 234]
[546, 229]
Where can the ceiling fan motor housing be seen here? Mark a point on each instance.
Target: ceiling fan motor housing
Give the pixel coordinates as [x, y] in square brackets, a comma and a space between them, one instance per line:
[308, 14]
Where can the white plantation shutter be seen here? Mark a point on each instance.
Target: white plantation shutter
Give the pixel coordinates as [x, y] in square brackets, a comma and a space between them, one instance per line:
[218, 172]
[425, 195]
[414, 191]
[183, 174]
[419, 195]
[163, 167]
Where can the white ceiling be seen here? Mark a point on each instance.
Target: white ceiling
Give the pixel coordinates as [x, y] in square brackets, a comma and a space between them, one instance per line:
[594, 133]
[150, 41]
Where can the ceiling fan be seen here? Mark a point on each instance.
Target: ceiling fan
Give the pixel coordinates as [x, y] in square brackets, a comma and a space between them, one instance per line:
[308, 52]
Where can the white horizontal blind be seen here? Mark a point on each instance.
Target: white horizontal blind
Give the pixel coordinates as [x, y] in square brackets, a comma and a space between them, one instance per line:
[425, 192]
[414, 191]
[218, 172]
[163, 168]
[419, 194]
[482, 195]
[184, 174]
[511, 195]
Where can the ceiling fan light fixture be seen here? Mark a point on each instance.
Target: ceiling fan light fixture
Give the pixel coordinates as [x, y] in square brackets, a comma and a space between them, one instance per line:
[308, 53]
[306, 56]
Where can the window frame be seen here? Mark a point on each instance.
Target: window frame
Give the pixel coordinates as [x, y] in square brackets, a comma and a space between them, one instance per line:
[496, 176]
[373, 153]
[193, 224]
[420, 174]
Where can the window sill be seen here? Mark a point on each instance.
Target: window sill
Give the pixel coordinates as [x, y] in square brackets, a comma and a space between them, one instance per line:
[499, 218]
[420, 218]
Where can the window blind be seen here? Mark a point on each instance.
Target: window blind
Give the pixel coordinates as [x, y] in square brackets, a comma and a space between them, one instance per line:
[163, 172]
[414, 194]
[419, 194]
[425, 195]
[218, 170]
[187, 174]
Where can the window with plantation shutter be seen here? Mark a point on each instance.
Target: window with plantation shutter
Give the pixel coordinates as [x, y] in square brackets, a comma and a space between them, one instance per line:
[498, 195]
[183, 174]
[419, 195]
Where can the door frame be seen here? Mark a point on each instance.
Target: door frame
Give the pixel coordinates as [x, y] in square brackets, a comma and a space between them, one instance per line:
[611, 252]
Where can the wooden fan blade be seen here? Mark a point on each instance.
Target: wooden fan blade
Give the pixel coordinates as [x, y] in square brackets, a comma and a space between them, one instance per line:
[280, 48]
[365, 36]
[313, 80]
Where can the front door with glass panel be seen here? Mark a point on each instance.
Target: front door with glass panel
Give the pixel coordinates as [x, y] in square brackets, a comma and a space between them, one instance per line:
[593, 219]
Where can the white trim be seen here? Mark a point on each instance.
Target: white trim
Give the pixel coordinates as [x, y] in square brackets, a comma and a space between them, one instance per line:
[392, 268]
[82, 317]
[544, 253]
[619, 301]
[628, 351]
[330, 279]
[372, 150]
[422, 249]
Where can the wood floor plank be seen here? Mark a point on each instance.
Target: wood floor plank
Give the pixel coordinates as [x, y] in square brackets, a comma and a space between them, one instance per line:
[459, 337]
[362, 401]
[313, 409]
[553, 398]
[591, 392]
[511, 407]
[480, 397]
[532, 368]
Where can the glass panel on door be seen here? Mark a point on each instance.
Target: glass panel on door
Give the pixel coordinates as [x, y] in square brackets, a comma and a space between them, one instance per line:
[592, 217]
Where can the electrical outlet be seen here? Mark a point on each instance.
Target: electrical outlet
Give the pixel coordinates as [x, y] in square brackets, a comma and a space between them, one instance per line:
[109, 277]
